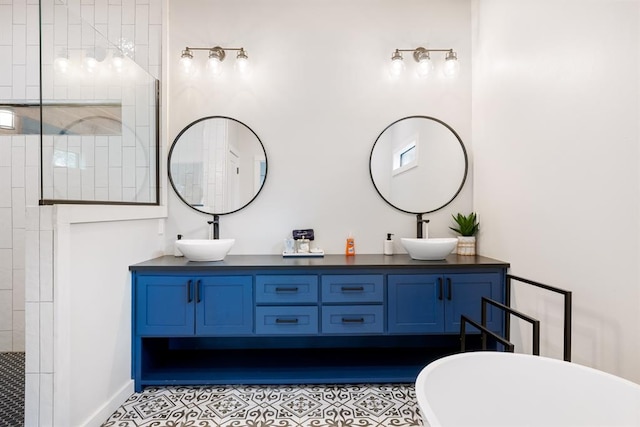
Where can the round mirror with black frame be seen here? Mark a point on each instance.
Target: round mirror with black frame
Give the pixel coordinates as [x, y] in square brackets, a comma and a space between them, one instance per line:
[217, 165]
[418, 164]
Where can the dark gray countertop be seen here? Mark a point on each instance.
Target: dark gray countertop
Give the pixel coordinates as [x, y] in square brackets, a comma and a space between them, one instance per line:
[247, 262]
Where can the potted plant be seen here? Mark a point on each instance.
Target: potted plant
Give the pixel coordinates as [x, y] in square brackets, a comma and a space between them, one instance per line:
[467, 226]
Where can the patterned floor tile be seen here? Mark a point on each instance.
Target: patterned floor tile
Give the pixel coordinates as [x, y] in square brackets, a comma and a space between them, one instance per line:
[362, 405]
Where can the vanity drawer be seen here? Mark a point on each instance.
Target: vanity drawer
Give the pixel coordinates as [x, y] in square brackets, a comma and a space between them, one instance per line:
[286, 320]
[283, 289]
[352, 319]
[352, 288]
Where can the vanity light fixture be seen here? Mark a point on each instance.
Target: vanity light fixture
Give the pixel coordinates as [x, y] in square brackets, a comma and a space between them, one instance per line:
[217, 54]
[425, 65]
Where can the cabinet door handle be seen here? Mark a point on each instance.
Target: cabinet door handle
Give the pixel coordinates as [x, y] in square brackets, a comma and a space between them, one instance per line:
[352, 288]
[449, 289]
[287, 289]
[352, 320]
[440, 288]
[289, 321]
[189, 291]
[198, 290]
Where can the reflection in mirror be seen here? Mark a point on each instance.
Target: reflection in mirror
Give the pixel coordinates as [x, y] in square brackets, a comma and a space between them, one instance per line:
[217, 165]
[418, 164]
[99, 118]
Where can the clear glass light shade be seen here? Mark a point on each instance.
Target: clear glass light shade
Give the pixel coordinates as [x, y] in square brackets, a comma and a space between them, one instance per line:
[451, 65]
[242, 63]
[397, 65]
[186, 61]
[425, 67]
[214, 65]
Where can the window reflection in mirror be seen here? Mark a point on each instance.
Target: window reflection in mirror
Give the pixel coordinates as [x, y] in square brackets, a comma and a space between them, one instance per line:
[418, 164]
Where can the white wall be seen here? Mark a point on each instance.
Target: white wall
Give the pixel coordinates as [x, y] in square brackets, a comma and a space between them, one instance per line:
[95, 363]
[318, 97]
[556, 137]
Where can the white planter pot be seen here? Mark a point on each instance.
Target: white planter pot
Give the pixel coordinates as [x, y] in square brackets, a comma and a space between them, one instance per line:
[466, 245]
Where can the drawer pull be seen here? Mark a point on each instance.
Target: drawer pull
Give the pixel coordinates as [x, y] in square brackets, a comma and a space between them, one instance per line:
[352, 288]
[287, 289]
[353, 320]
[287, 321]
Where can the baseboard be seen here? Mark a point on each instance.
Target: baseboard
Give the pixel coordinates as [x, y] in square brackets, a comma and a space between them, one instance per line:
[109, 407]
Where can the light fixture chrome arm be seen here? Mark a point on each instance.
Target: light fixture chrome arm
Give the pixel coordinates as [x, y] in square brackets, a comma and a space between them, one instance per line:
[420, 52]
[217, 51]
[422, 57]
[217, 54]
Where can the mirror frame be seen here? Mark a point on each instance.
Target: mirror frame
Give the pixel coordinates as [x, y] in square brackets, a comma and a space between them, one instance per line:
[464, 152]
[186, 128]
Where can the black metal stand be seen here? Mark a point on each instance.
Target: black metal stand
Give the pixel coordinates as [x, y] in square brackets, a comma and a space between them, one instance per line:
[508, 311]
[567, 310]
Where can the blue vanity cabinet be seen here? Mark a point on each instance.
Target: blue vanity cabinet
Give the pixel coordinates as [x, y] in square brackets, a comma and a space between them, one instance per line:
[265, 319]
[176, 305]
[433, 303]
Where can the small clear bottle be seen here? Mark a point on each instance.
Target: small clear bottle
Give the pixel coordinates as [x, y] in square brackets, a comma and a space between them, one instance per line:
[303, 246]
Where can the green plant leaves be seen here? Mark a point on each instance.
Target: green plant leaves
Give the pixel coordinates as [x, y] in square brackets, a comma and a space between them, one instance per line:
[467, 225]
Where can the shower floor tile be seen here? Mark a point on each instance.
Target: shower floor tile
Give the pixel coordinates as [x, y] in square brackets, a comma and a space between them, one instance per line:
[11, 389]
[374, 405]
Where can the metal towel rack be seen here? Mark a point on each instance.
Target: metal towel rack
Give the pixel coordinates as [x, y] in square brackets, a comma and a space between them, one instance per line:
[507, 311]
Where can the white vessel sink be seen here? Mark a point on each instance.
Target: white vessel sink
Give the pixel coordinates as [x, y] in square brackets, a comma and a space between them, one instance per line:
[429, 249]
[205, 250]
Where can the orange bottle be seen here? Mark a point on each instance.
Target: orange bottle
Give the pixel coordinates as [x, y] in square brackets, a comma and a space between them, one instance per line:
[350, 249]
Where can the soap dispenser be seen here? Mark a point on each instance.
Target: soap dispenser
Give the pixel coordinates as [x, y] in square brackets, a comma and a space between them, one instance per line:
[176, 251]
[388, 245]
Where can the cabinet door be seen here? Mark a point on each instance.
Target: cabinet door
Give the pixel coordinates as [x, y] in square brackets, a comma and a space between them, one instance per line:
[415, 303]
[164, 306]
[224, 305]
[463, 293]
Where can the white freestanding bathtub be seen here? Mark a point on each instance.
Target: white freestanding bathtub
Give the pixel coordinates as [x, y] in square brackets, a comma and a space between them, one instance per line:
[507, 389]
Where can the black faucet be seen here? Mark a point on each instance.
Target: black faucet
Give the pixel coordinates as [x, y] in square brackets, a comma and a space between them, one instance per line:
[420, 227]
[216, 226]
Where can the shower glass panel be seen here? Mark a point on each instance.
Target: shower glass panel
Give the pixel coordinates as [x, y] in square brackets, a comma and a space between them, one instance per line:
[99, 116]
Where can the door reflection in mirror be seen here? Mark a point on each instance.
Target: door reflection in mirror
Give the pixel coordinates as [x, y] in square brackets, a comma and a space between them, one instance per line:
[217, 165]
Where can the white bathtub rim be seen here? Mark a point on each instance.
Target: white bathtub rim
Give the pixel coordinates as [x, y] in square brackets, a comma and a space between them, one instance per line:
[431, 419]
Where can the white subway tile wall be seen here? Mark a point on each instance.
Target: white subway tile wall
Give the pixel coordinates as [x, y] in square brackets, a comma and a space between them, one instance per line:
[26, 229]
